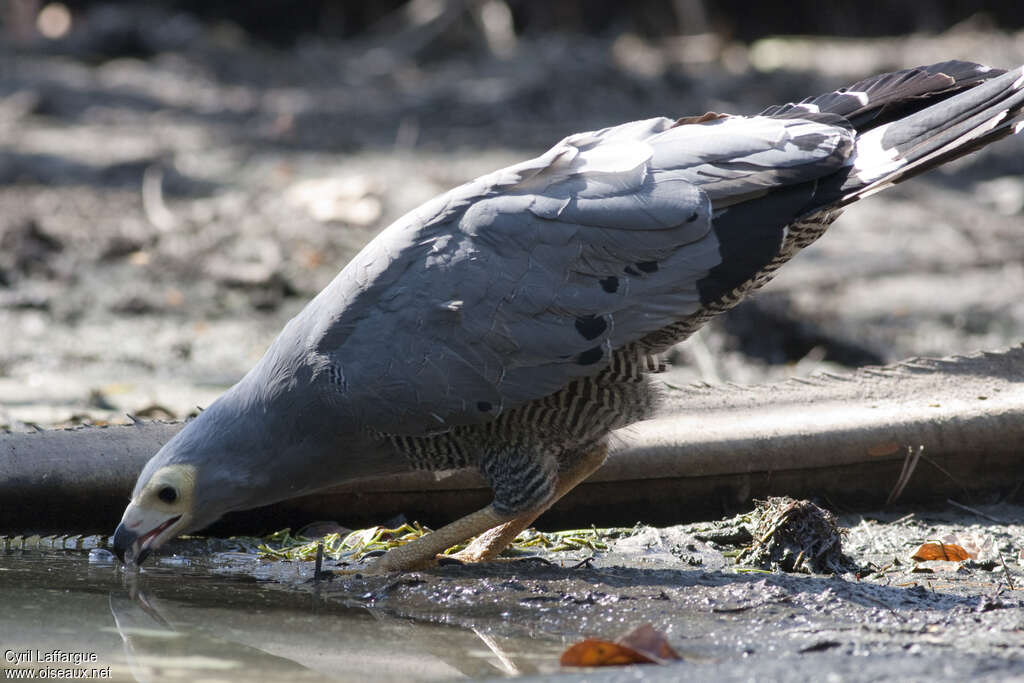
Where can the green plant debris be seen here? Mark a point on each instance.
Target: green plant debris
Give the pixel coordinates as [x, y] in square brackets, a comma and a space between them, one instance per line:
[282, 545]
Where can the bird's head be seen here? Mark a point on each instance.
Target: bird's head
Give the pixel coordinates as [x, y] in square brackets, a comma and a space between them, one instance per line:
[162, 507]
[256, 445]
[210, 467]
[234, 455]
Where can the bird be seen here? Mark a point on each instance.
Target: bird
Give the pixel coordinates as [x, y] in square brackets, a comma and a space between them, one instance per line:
[513, 322]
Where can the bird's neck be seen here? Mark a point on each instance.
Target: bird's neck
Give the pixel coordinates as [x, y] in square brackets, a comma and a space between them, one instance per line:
[296, 443]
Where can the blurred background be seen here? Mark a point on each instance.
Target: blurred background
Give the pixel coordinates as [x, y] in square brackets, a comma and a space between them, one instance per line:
[178, 178]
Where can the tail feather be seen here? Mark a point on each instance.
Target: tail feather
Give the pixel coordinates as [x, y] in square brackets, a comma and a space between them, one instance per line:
[888, 97]
[902, 124]
[946, 130]
[910, 121]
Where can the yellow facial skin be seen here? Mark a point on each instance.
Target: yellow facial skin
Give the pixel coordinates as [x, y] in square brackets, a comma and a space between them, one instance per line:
[158, 513]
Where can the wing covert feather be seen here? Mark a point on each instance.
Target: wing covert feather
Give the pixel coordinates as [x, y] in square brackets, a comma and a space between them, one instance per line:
[507, 288]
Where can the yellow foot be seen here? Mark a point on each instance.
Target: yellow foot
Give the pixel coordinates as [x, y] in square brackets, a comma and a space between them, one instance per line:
[422, 553]
[466, 557]
[490, 544]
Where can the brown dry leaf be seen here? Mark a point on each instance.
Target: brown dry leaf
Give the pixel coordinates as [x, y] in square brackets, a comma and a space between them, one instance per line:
[643, 645]
[933, 550]
[594, 652]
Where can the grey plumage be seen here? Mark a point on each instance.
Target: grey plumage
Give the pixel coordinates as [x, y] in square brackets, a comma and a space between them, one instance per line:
[525, 250]
[511, 322]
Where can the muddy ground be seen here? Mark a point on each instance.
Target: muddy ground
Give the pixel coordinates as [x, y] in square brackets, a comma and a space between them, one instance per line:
[162, 216]
[880, 616]
[213, 609]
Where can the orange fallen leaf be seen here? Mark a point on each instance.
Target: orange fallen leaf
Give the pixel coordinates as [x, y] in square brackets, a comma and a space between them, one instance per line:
[594, 652]
[950, 552]
[643, 645]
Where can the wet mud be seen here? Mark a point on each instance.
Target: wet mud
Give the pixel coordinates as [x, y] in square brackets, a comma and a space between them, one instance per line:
[215, 607]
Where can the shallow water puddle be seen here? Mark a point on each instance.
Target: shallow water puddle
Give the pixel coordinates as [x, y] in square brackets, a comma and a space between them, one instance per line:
[185, 620]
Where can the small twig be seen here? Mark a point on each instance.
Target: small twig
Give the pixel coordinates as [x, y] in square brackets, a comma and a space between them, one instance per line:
[754, 605]
[585, 563]
[799, 560]
[319, 562]
[1006, 571]
[942, 469]
[909, 465]
[732, 610]
[492, 645]
[904, 518]
[974, 512]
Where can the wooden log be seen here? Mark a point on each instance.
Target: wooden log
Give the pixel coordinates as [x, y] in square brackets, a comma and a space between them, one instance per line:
[843, 439]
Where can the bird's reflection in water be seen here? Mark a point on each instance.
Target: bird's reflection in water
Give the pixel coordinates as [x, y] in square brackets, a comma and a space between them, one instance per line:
[290, 636]
[156, 650]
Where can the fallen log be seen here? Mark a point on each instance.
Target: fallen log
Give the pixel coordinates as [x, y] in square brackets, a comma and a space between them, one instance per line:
[933, 428]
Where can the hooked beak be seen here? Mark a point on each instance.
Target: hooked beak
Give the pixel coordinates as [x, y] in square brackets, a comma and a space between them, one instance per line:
[140, 532]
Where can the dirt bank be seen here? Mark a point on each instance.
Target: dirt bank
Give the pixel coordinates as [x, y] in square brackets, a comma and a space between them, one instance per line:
[162, 217]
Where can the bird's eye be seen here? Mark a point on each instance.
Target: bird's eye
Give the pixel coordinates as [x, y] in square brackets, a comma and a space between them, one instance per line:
[167, 494]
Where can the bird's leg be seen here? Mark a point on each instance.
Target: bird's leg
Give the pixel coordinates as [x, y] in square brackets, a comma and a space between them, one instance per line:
[489, 544]
[423, 551]
[525, 479]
